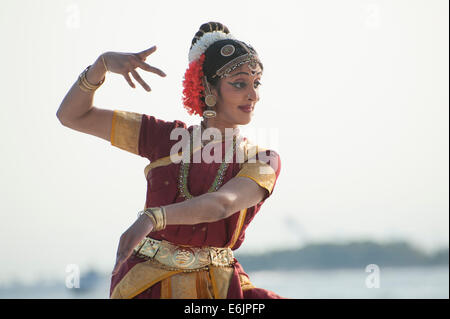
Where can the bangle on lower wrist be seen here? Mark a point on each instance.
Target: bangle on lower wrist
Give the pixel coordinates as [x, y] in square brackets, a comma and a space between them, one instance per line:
[157, 215]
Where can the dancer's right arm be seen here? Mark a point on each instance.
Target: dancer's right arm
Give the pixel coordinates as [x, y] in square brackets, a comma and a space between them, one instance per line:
[77, 110]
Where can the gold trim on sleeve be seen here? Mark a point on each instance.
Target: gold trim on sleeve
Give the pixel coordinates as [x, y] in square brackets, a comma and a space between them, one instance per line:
[125, 129]
[260, 172]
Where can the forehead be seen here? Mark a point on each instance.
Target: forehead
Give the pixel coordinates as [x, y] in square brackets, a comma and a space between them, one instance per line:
[245, 69]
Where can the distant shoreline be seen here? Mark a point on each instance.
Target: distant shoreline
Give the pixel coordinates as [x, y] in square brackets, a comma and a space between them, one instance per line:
[329, 256]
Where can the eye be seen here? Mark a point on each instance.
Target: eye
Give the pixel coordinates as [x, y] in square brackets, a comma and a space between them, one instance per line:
[241, 85]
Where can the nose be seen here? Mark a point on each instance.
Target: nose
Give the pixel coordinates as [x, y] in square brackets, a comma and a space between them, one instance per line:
[253, 95]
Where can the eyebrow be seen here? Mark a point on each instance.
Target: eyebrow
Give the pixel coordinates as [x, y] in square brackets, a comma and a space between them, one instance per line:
[245, 73]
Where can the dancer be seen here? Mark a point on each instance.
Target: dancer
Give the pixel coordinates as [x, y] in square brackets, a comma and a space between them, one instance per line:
[204, 188]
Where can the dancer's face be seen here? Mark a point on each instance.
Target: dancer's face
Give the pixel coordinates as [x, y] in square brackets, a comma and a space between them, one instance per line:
[238, 96]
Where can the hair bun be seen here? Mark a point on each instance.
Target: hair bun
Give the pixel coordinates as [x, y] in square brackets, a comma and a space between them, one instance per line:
[209, 27]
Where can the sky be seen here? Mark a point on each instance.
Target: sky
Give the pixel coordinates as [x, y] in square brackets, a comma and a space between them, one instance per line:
[354, 98]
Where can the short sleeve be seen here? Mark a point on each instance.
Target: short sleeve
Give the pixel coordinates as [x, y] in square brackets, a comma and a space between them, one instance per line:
[143, 134]
[264, 169]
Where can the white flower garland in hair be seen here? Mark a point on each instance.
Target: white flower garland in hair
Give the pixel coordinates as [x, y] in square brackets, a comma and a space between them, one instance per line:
[205, 41]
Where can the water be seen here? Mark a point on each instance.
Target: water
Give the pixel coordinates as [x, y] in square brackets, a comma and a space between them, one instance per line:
[394, 283]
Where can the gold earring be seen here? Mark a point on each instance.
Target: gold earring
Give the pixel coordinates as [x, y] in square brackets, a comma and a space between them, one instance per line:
[209, 113]
[210, 101]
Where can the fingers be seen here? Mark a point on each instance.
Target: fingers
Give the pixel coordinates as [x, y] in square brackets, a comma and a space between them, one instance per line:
[121, 258]
[123, 253]
[141, 82]
[150, 68]
[127, 77]
[130, 239]
[144, 54]
[144, 66]
[135, 63]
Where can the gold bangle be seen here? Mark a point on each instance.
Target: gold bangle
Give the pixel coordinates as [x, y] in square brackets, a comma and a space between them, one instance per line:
[94, 86]
[160, 217]
[157, 215]
[163, 211]
[152, 218]
[82, 87]
[84, 84]
[150, 215]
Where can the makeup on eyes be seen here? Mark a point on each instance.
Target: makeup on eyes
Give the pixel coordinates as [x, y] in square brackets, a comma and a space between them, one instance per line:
[240, 82]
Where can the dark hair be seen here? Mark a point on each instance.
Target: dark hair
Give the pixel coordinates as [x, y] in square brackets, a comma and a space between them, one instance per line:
[213, 58]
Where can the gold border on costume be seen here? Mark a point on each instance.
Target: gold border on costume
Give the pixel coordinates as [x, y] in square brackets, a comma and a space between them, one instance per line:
[260, 172]
[125, 130]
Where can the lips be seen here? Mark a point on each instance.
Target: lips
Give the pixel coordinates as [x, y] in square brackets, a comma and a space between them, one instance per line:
[246, 108]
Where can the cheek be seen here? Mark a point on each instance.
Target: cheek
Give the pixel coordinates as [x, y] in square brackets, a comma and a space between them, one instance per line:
[231, 97]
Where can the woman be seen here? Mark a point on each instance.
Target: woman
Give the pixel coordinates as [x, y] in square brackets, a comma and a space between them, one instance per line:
[197, 209]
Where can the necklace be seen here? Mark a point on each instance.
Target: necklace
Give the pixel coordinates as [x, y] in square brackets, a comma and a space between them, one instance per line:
[184, 172]
[223, 136]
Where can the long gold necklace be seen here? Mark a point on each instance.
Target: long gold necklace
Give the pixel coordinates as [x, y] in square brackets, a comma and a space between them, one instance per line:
[184, 171]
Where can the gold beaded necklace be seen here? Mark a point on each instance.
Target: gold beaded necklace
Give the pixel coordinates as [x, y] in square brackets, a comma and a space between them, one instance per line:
[184, 171]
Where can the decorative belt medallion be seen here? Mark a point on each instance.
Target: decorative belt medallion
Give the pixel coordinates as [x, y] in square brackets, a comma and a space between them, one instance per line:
[183, 257]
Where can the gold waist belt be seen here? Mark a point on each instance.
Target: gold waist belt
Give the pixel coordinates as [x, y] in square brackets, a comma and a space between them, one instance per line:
[183, 257]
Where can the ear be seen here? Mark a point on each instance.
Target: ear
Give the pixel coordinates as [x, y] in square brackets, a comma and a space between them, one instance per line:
[215, 89]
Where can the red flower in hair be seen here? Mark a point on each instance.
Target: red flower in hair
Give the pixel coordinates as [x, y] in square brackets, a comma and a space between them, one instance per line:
[193, 88]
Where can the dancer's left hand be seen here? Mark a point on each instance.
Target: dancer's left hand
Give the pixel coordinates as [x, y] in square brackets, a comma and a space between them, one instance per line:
[130, 238]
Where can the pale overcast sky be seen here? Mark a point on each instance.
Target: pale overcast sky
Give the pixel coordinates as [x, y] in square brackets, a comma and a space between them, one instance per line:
[354, 99]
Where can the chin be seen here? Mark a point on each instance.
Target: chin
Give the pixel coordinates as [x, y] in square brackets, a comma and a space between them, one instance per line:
[244, 120]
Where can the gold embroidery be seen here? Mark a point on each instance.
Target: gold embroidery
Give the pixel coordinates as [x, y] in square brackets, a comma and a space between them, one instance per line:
[138, 279]
[204, 286]
[262, 173]
[184, 286]
[175, 284]
[220, 280]
[247, 150]
[166, 288]
[125, 129]
[246, 284]
[238, 229]
[164, 161]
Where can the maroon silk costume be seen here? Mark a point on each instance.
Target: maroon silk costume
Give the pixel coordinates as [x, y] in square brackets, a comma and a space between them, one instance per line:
[149, 137]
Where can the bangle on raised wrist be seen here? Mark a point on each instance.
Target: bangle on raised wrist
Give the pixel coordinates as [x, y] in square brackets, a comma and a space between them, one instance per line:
[84, 84]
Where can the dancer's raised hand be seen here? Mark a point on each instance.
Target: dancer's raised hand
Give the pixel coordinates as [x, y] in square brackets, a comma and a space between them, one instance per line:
[126, 63]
